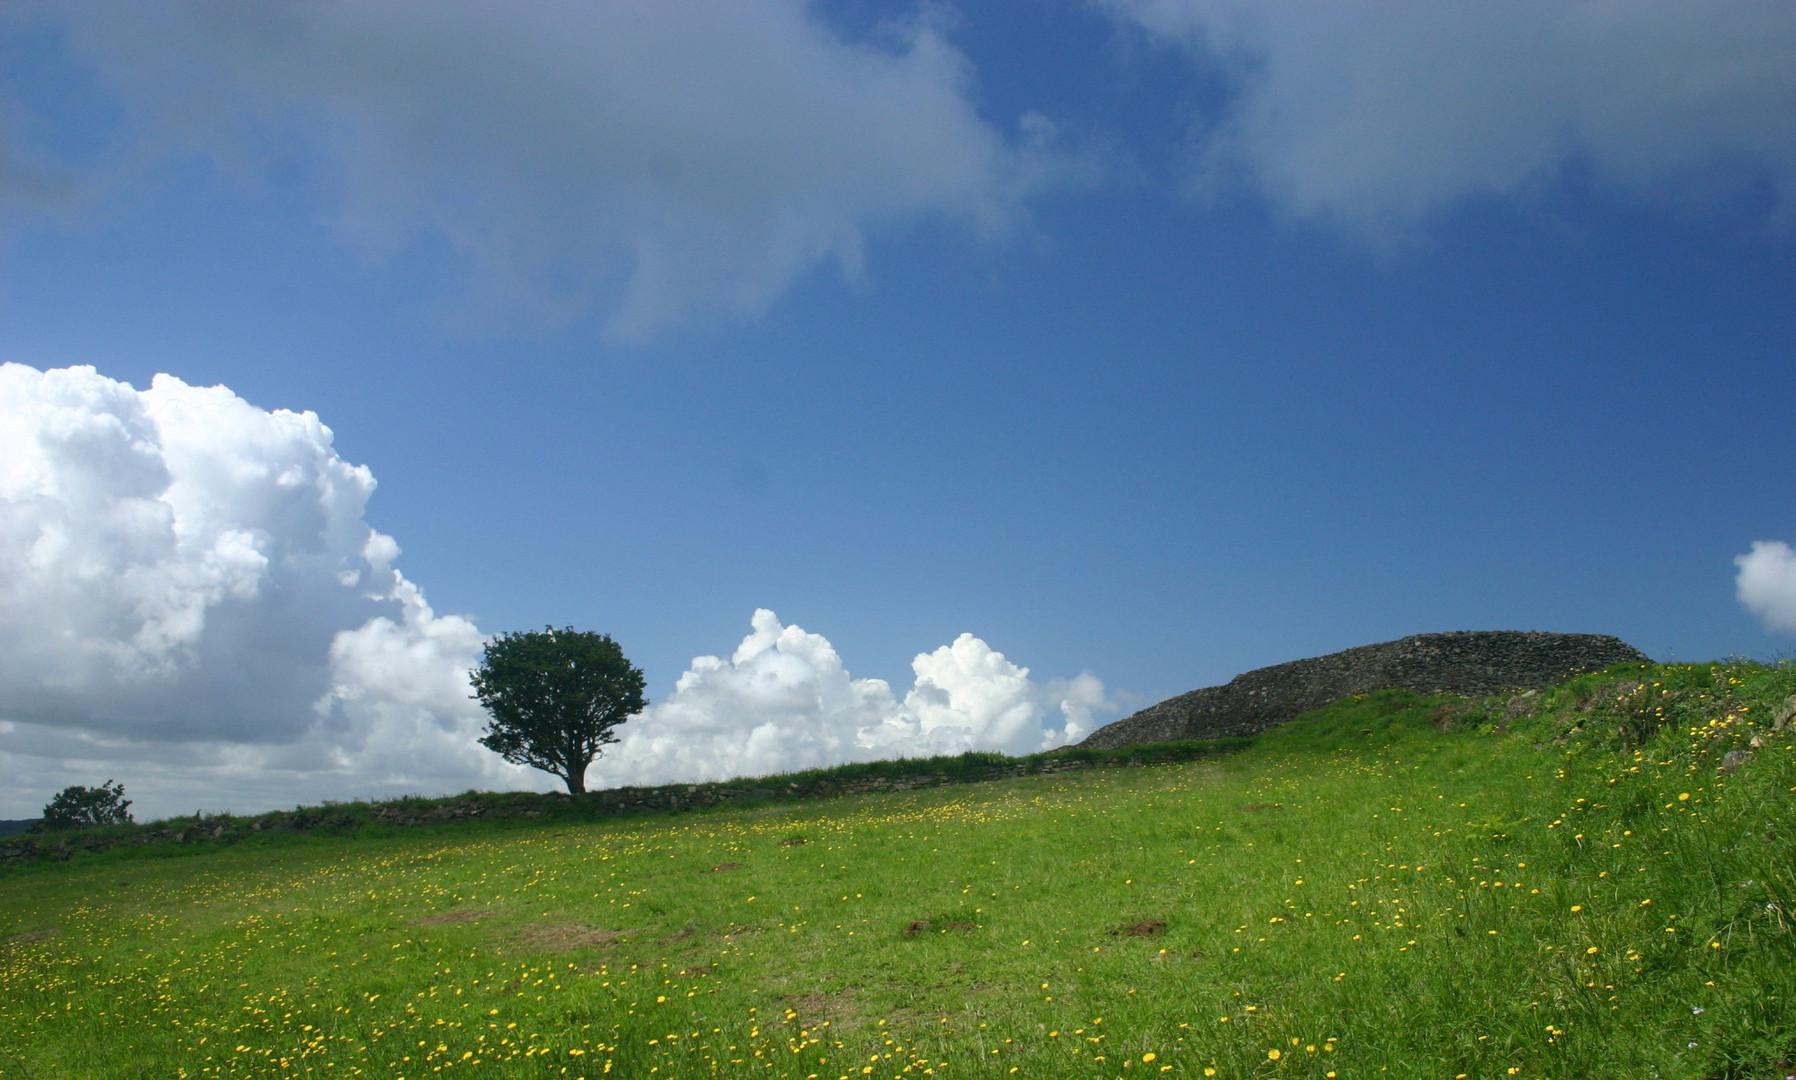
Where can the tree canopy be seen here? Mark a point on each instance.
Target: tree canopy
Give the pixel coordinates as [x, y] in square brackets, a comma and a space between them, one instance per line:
[76, 807]
[553, 698]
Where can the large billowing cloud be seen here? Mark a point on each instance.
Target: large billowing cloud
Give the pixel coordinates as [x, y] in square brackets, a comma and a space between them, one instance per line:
[191, 601]
[1766, 583]
[1375, 115]
[656, 159]
[784, 701]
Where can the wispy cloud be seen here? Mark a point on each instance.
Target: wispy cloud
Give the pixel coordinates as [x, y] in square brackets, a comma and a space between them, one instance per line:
[648, 161]
[1374, 116]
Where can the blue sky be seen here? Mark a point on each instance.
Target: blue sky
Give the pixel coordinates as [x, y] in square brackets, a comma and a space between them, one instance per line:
[1157, 341]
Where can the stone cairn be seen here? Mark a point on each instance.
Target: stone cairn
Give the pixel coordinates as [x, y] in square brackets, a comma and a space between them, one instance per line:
[1469, 663]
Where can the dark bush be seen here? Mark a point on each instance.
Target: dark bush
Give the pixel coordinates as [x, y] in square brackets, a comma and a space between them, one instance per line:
[77, 807]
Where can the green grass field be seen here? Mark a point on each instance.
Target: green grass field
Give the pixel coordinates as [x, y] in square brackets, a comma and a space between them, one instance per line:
[1561, 886]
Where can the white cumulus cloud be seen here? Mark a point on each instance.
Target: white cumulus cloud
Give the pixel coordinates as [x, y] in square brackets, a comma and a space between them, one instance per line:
[1375, 115]
[192, 601]
[784, 702]
[1766, 583]
[189, 595]
[655, 159]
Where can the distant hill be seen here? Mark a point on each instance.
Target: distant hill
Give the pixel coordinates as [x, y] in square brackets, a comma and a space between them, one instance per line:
[1473, 663]
[8, 828]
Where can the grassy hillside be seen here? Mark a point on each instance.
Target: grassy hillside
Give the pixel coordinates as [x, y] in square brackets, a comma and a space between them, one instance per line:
[1563, 885]
[855, 778]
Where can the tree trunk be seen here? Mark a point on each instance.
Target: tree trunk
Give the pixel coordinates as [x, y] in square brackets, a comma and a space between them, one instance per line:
[576, 777]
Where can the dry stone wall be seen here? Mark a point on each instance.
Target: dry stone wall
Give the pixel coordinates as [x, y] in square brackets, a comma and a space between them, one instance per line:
[610, 802]
[1470, 663]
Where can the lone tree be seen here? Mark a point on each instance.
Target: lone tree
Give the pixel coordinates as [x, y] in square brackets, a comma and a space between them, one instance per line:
[76, 807]
[554, 697]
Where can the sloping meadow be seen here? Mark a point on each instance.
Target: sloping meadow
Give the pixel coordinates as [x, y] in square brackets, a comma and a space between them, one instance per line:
[1568, 884]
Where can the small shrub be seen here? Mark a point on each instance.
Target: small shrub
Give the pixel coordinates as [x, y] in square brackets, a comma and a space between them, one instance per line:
[77, 807]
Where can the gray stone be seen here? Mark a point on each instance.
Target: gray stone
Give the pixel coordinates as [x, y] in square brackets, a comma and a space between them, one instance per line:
[1470, 663]
[1785, 714]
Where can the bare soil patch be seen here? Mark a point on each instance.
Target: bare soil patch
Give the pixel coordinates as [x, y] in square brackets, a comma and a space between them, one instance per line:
[450, 917]
[1143, 928]
[1447, 715]
[918, 926]
[816, 1008]
[721, 868]
[31, 937]
[564, 937]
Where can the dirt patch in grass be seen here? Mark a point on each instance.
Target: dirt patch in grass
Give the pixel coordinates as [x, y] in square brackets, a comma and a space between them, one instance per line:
[1143, 928]
[736, 930]
[839, 1010]
[905, 1016]
[920, 926]
[564, 937]
[448, 918]
[721, 868]
[30, 937]
[1262, 806]
[1446, 716]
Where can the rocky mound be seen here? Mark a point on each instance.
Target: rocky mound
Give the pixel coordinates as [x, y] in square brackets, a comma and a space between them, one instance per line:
[1471, 663]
